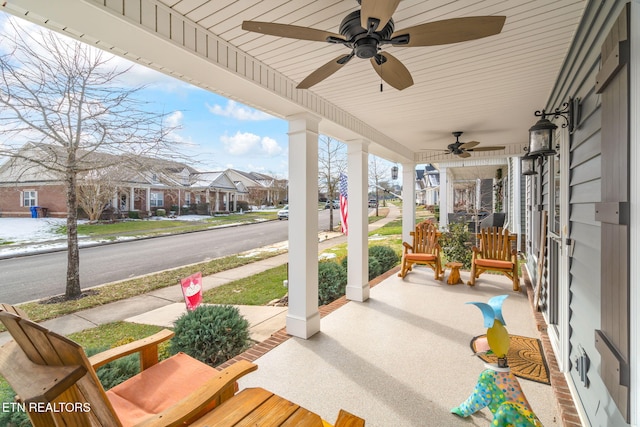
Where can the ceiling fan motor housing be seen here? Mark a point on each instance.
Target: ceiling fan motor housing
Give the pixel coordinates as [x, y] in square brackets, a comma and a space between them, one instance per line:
[365, 44]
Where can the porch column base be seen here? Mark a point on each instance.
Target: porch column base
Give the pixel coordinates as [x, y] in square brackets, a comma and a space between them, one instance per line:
[358, 293]
[303, 328]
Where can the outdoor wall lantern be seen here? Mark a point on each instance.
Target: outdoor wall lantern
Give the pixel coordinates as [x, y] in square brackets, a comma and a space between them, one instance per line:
[541, 134]
[528, 164]
[394, 173]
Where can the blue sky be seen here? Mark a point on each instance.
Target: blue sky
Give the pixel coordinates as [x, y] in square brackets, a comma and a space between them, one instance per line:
[218, 132]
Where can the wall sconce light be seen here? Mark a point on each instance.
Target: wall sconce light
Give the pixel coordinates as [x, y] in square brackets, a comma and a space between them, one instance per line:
[541, 134]
[394, 173]
[528, 164]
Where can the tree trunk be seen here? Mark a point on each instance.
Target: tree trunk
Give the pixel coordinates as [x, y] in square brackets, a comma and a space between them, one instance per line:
[73, 254]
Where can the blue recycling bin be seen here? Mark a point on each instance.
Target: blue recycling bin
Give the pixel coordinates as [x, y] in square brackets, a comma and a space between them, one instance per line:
[34, 211]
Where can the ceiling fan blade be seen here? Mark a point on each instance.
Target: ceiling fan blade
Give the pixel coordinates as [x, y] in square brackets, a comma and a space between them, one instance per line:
[452, 30]
[469, 144]
[289, 31]
[489, 148]
[380, 10]
[325, 71]
[464, 155]
[392, 71]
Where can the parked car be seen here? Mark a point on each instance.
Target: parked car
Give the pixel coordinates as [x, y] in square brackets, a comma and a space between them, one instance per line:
[283, 213]
[373, 203]
[336, 204]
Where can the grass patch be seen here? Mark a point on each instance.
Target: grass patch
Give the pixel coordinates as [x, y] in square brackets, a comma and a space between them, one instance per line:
[258, 289]
[113, 334]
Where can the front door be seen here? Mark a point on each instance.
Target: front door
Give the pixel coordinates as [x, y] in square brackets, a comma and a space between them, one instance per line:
[557, 309]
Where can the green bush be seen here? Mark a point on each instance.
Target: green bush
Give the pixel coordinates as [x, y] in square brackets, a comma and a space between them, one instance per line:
[375, 269]
[332, 282]
[456, 244]
[134, 215]
[212, 334]
[120, 370]
[386, 257]
[13, 417]
[161, 212]
[242, 205]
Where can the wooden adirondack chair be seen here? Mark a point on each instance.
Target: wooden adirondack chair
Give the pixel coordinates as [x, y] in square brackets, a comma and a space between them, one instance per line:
[496, 253]
[58, 386]
[425, 250]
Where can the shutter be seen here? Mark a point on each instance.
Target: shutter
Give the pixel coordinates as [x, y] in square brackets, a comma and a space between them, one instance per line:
[612, 340]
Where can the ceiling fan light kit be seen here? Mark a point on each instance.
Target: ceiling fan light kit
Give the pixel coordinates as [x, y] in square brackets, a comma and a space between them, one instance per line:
[366, 30]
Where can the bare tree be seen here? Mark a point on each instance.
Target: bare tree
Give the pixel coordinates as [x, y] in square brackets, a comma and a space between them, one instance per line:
[331, 162]
[64, 96]
[96, 190]
[378, 172]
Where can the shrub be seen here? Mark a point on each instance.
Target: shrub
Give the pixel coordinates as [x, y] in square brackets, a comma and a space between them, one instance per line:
[161, 212]
[242, 205]
[212, 334]
[456, 245]
[375, 269]
[11, 418]
[332, 282]
[120, 370]
[386, 257]
[134, 215]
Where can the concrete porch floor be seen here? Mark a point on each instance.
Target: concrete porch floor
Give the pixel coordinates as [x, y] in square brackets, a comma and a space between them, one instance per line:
[402, 358]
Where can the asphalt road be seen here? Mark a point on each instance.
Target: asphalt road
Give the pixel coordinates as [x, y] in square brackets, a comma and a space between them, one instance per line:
[34, 277]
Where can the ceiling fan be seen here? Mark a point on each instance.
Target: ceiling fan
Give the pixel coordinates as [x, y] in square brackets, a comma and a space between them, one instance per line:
[464, 149]
[365, 31]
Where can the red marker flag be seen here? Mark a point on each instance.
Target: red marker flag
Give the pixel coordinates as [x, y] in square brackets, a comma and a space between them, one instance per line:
[192, 290]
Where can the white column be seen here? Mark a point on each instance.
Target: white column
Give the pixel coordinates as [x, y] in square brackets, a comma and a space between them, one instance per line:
[132, 198]
[148, 204]
[357, 238]
[444, 198]
[303, 317]
[408, 200]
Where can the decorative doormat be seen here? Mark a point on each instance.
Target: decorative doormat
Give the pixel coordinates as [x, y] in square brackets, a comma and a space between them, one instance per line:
[525, 357]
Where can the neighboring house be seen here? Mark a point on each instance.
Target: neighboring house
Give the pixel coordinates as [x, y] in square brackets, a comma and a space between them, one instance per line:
[152, 184]
[427, 186]
[261, 189]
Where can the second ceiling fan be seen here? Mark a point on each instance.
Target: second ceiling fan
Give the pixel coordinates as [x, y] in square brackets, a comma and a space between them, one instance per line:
[365, 31]
[464, 149]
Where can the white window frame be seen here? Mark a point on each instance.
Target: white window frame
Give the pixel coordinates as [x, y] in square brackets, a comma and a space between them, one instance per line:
[23, 201]
[156, 199]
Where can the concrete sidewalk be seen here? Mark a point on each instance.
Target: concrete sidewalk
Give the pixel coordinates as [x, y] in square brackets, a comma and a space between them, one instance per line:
[162, 306]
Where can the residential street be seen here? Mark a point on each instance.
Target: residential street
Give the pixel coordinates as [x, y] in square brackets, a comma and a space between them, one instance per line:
[34, 277]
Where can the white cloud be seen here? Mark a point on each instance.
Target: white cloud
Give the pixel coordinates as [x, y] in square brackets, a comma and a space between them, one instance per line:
[239, 112]
[270, 146]
[243, 143]
[175, 119]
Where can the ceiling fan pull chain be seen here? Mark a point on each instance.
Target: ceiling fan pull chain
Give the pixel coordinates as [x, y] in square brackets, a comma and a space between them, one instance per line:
[380, 77]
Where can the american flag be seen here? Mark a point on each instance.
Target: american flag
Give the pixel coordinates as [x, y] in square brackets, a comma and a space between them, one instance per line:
[344, 209]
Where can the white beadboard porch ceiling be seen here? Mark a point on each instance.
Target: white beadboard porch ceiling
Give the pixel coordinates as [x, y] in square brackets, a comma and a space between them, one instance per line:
[487, 88]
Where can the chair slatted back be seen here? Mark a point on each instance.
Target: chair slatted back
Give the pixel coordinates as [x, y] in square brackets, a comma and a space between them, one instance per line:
[82, 395]
[425, 238]
[495, 243]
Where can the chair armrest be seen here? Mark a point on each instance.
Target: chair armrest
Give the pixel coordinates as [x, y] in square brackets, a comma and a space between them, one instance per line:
[407, 247]
[475, 249]
[147, 347]
[37, 383]
[346, 419]
[215, 390]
